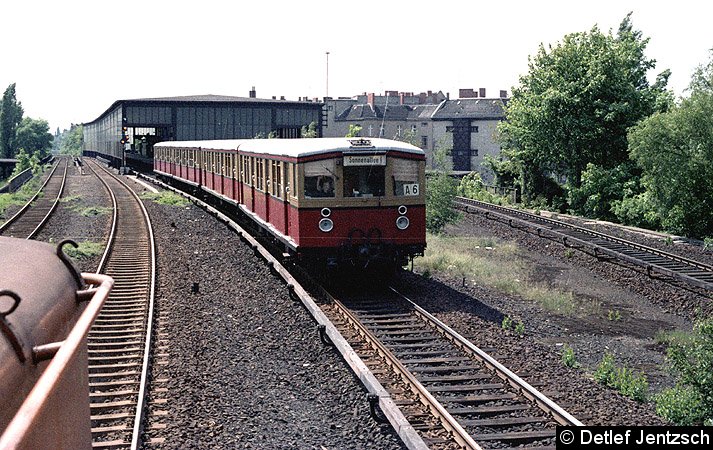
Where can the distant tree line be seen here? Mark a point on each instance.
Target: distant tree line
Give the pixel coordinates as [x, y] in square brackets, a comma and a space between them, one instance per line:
[585, 132]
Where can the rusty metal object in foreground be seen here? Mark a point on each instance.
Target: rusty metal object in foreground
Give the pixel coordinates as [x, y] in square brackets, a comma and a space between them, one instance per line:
[44, 320]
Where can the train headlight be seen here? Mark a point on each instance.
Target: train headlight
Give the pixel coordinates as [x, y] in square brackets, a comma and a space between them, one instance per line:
[326, 212]
[326, 225]
[402, 210]
[402, 223]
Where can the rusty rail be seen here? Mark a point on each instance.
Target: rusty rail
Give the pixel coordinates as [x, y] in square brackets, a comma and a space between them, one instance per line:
[120, 341]
[601, 245]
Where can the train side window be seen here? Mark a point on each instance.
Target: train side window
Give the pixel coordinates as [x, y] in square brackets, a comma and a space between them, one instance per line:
[405, 173]
[319, 178]
[277, 178]
[258, 175]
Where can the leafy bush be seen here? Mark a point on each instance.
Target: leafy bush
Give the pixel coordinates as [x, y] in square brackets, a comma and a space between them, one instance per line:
[637, 210]
[623, 379]
[691, 361]
[568, 357]
[681, 405]
[440, 191]
[601, 187]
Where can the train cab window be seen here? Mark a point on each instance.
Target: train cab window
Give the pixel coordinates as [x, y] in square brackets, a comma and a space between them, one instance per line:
[364, 181]
[405, 173]
[319, 178]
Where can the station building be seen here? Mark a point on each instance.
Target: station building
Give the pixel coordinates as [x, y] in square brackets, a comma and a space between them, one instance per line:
[125, 133]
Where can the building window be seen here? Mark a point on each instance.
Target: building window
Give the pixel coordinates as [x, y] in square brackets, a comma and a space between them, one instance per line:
[474, 152]
[398, 130]
[371, 130]
[449, 128]
[381, 131]
[474, 128]
[413, 128]
[424, 142]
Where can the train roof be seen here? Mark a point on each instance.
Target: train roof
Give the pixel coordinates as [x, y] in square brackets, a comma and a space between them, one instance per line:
[296, 148]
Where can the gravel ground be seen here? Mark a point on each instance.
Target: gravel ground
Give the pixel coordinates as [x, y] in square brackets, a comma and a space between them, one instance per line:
[246, 366]
[647, 306]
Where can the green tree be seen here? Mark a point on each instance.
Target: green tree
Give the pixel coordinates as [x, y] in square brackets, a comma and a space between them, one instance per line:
[354, 131]
[310, 131]
[575, 104]
[27, 160]
[72, 141]
[675, 151]
[10, 117]
[441, 189]
[33, 135]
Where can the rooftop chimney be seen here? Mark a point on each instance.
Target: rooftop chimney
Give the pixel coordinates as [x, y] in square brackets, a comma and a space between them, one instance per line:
[370, 99]
[252, 93]
[503, 94]
[467, 93]
[481, 92]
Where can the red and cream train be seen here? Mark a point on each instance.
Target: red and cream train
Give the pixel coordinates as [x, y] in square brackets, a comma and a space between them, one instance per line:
[334, 202]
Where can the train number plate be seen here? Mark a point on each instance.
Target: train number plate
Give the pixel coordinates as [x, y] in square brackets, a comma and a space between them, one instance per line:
[411, 189]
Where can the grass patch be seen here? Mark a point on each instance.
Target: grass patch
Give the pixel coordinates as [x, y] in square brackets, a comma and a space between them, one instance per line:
[166, 198]
[85, 250]
[673, 337]
[496, 264]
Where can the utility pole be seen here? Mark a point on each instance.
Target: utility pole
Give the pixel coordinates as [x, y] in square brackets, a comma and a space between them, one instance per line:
[327, 74]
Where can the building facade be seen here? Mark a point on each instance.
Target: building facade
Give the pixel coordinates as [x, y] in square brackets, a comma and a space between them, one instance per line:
[467, 126]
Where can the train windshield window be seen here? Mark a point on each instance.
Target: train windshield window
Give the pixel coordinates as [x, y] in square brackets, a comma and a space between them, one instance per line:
[319, 178]
[405, 177]
[364, 181]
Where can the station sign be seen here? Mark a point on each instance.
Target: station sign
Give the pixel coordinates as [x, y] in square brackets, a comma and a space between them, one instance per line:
[364, 160]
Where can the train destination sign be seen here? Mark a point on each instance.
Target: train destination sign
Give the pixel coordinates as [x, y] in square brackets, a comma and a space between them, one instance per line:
[365, 160]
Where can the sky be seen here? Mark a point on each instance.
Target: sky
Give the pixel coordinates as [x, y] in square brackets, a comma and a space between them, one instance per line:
[72, 59]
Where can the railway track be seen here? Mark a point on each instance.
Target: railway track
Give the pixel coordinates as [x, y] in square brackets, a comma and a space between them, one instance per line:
[451, 391]
[437, 389]
[603, 246]
[30, 219]
[120, 340]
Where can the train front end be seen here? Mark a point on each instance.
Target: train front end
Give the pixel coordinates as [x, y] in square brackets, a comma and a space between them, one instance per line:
[363, 207]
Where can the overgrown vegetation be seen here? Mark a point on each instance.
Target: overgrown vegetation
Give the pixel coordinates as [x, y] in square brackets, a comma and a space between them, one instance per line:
[472, 186]
[623, 379]
[441, 188]
[166, 198]
[20, 197]
[489, 262]
[690, 356]
[85, 250]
